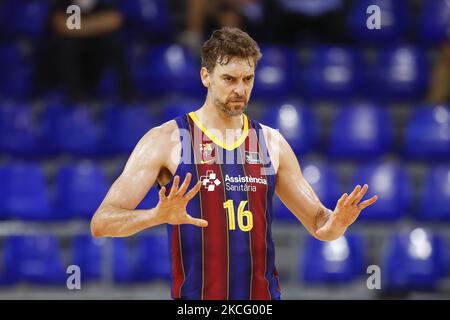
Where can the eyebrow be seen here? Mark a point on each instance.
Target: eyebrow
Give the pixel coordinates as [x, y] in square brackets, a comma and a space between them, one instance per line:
[228, 75]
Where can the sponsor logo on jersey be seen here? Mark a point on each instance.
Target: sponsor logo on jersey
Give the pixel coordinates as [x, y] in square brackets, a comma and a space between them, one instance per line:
[232, 183]
[210, 180]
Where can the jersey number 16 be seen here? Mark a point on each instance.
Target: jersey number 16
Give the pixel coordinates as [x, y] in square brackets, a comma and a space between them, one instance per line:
[229, 205]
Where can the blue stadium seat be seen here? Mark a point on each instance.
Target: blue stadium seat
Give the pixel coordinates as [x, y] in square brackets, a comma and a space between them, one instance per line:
[361, 131]
[15, 78]
[401, 73]
[281, 213]
[434, 17]
[427, 134]
[172, 69]
[153, 261]
[18, 133]
[8, 253]
[37, 259]
[336, 262]
[394, 16]
[71, 129]
[24, 192]
[10, 56]
[123, 261]
[333, 73]
[274, 79]
[178, 107]
[108, 86]
[435, 195]
[391, 183]
[146, 17]
[125, 125]
[10, 274]
[17, 83]
[296, 123]
[80, 190]
[150, 200]
[415, 260]
[325, 182]
[26, 17]
[87, 254]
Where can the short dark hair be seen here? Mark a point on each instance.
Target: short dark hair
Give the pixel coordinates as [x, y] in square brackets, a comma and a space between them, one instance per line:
[226, 43]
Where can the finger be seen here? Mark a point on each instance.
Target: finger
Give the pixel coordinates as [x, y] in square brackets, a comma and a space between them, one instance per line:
[185, 184]
[360, 194]
[352, 195]
[174, 189]
[196, 222]
[342, 199]
[367, 203]
[195, 189]
[162, 193]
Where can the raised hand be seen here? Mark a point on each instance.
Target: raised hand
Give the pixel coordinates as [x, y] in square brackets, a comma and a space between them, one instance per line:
[347, 211]
[172, 208]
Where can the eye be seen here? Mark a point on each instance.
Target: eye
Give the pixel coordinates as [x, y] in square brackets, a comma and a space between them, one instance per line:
[227, 79]
[248, 79]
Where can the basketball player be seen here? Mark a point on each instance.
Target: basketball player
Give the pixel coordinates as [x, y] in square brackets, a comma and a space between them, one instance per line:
[217, 171]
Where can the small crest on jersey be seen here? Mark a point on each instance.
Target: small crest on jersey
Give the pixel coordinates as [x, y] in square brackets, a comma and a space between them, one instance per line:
[206, 148]
[252, 157]
[207, 152]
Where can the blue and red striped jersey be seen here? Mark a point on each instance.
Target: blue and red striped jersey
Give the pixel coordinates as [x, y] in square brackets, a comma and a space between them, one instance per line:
[234, 256]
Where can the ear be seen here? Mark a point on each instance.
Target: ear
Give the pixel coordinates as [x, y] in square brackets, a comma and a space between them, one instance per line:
[205, 76]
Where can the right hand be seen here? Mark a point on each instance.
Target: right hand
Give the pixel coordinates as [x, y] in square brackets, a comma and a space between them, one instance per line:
[173, 207]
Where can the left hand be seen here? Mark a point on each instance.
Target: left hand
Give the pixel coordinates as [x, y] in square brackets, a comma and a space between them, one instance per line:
[346, 211]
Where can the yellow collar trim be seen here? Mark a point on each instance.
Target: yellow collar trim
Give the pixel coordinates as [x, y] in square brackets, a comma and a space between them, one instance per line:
[213, 138]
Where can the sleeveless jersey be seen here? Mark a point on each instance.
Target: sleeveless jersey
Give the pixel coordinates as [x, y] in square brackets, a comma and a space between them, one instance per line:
[233, 257]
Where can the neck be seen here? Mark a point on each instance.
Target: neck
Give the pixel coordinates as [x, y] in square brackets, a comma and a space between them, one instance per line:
[212, 117]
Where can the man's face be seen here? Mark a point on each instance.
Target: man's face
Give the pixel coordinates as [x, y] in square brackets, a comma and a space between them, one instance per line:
[230, 85]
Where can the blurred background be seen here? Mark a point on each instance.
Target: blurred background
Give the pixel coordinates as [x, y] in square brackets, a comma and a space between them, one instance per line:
[357, 105]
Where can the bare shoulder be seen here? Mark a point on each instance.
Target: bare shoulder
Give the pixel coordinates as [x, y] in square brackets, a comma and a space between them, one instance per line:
[270, 133]
[274, 141]
[165, 134]
[158, 141]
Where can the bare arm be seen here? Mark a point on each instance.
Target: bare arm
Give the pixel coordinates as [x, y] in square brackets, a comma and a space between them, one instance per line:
[298, 196]
[116, 216]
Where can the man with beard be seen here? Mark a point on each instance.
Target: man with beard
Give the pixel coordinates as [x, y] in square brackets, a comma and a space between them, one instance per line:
[219, 218]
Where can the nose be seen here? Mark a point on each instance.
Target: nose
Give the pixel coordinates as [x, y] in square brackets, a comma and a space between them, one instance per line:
[239, 90]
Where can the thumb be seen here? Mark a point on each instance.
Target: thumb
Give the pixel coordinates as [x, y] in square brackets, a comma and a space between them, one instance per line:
[196, 222]
[323, 231]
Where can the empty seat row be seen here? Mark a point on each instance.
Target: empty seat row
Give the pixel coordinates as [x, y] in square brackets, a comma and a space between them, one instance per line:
[79, 188]
[399, 73]
[411, 259]
[26, 194]
[414, 259]
[397, 22]
[393, 185]
[358, 131]
[39, 259]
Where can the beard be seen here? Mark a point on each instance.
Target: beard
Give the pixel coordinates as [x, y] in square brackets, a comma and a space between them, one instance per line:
[228, 108]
